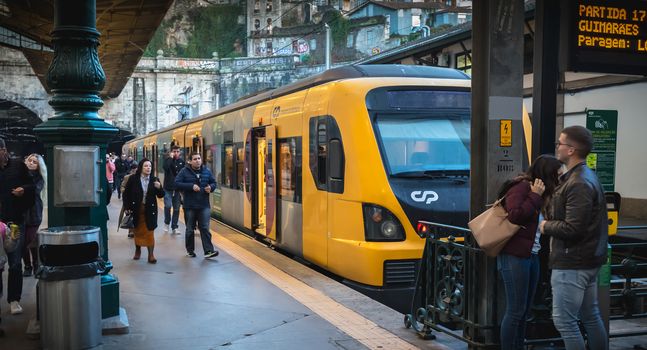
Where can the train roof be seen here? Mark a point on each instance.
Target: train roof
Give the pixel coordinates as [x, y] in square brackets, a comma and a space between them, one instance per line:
[340, 73]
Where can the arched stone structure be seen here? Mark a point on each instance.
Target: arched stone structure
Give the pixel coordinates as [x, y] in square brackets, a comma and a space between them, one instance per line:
[16, 128]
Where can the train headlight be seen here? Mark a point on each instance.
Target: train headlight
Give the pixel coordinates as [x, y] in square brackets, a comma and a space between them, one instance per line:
[380, 225]
[389, 229]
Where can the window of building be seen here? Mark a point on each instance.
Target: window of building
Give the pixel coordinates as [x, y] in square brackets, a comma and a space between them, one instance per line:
[268, 6]
[269, 50]
[415, 20]
[464, 62]
[257, 24]
[257, 6]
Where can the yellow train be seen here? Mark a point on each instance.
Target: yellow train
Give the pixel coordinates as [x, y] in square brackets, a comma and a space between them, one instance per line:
[338, 168]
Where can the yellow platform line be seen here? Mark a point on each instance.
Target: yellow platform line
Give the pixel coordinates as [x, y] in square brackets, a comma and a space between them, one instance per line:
[347, 320]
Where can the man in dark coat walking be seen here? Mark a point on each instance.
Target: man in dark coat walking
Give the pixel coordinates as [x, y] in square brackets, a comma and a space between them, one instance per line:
[172, 166]
[121, 168]
[16, 197]
[196, 182]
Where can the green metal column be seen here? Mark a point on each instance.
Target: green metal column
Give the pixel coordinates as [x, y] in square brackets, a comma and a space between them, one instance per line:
[76, 78]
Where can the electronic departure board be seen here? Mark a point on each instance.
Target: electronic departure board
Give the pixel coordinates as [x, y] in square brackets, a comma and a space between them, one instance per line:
[608, 36]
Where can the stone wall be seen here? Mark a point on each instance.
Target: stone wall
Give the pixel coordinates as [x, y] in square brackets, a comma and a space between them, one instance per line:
[162, 90]
[19, 83]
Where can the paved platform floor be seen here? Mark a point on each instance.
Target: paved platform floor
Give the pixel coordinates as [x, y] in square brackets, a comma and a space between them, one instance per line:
[238, 300]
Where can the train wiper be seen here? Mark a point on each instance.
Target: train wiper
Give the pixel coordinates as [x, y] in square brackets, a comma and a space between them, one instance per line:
[434, 174]
[447, 173]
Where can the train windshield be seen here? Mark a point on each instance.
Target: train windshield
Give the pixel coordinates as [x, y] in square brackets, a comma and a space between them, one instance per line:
[429, 142]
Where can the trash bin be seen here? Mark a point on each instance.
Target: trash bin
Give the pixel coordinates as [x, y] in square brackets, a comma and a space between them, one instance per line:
[69, 287]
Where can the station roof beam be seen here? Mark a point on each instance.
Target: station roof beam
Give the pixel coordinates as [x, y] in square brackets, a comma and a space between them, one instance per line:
[126, 28]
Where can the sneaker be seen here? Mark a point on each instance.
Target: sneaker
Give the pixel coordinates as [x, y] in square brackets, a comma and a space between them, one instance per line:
[165, 228]
[27, 272]
[191, 254]
[176, 231]
[15, 308]
[212, 254]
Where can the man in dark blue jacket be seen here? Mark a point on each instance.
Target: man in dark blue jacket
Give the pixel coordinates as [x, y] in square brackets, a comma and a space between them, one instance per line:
[16, 197]
[196, 182]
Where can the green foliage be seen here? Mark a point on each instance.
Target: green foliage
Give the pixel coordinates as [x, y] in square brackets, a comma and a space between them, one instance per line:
[414, 36]
[157, 42]
[440, 28]
[214, 28]
[339, 27]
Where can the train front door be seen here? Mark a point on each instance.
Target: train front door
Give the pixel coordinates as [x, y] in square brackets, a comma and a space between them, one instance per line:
[264, 184]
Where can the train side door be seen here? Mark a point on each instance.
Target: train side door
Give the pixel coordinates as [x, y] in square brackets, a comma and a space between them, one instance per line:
[264, 184]
[315, 194]
[248, 180]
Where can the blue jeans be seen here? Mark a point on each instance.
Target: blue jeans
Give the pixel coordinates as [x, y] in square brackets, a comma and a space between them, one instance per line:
[171, 199]
[575, 296]
[202, 216]
[119, 178]
[520, 278]
[14, 280]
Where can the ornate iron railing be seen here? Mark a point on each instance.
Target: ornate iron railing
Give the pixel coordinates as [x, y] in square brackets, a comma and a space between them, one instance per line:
[446, 287]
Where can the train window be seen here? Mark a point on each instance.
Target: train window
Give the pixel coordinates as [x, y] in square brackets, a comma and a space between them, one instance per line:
[326, 154]
[216, 167]
[247, 160]
[239, 165]
[228, 169]
[322, 152]
[290, 169]
[419, 144]
[208, 161]
[336, 160]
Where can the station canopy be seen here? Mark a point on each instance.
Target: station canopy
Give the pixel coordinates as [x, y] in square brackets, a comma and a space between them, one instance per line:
[126, 28]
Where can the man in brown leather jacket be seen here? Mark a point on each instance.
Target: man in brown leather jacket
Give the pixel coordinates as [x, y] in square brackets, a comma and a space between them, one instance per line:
[577, 224]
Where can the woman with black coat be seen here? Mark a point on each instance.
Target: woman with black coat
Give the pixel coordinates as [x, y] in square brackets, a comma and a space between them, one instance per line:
[140, 200]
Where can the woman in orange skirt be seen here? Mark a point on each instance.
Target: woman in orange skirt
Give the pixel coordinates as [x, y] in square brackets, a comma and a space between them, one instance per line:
[140, 200]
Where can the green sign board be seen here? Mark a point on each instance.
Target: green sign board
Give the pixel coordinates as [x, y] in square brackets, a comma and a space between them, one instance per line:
[604, 127]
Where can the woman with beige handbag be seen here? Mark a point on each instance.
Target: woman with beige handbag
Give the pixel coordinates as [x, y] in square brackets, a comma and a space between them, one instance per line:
[518, 261]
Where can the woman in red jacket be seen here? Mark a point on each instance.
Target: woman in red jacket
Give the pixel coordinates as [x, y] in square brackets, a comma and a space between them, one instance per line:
[518, 262]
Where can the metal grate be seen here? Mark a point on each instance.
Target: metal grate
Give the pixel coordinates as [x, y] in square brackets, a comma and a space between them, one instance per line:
[400, 272]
